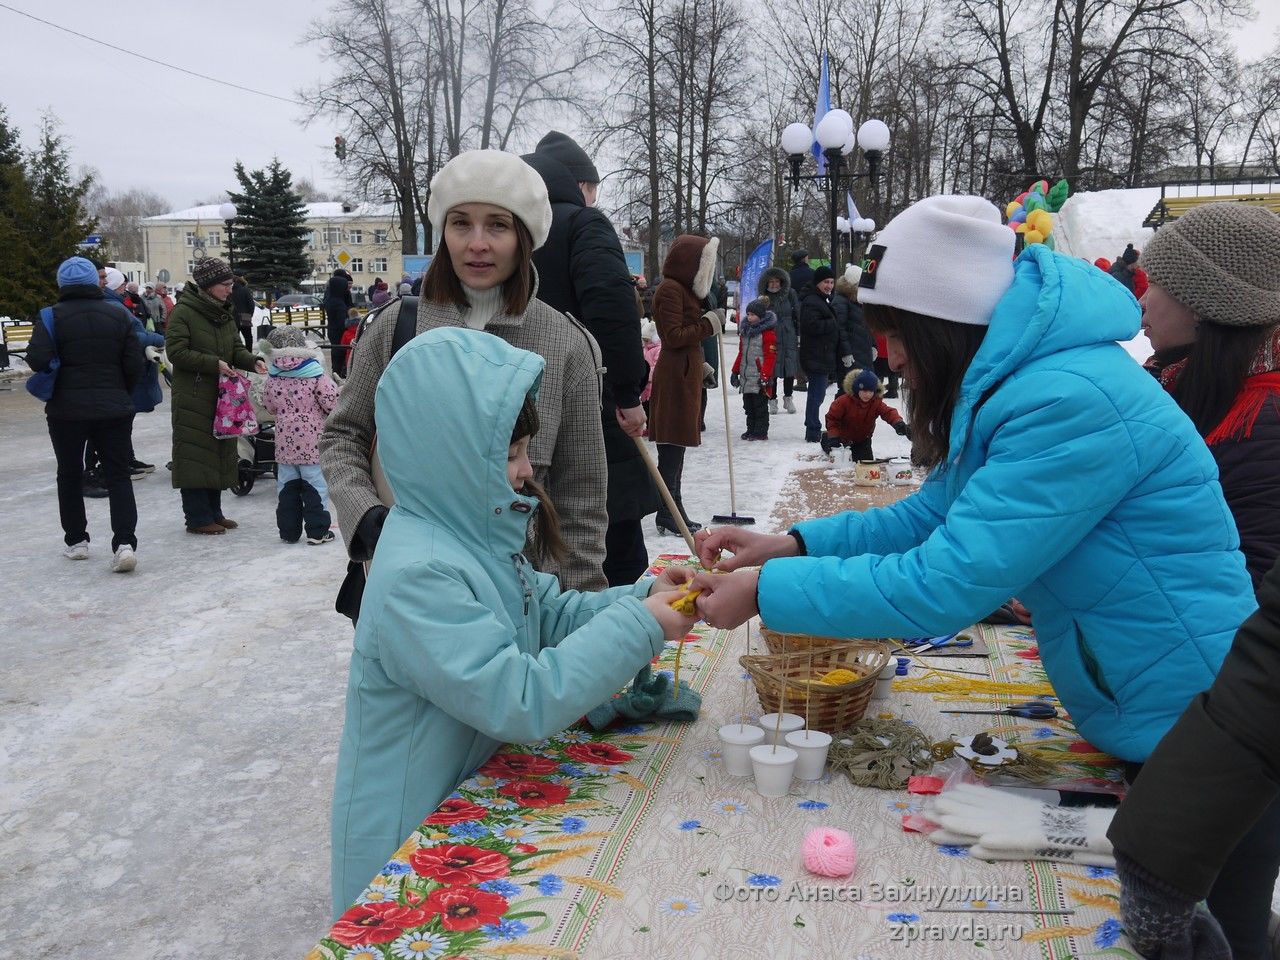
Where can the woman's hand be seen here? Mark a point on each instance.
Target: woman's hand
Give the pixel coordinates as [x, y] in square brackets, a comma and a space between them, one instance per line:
[260, 365]
[728, 599]
[675, 626]
[224, 368]
[672, 578]
[748, 549]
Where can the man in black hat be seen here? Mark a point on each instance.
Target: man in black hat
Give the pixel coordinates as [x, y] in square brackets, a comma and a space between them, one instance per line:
[582, 272]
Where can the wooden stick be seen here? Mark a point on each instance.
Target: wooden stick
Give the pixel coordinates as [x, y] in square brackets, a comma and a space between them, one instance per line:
[670, 501]
[728, 431]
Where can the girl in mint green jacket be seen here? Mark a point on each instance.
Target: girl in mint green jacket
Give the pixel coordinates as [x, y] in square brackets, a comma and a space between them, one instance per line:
[461, 645]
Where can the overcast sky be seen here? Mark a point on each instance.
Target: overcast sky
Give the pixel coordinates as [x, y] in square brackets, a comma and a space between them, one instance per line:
[143, 125]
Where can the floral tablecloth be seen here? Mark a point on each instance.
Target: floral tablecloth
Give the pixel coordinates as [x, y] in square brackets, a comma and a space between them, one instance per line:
[637, 843]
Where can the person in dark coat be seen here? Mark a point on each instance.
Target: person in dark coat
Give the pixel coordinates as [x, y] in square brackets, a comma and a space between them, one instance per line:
[674, 406]
[819, 347]
[101, 362]
[775, 286]
[202, 344]
[1212, 313]
[244, 306]
[1206, 789]
[582, 272]
[337, 303]
[857, 347]
[801, 273]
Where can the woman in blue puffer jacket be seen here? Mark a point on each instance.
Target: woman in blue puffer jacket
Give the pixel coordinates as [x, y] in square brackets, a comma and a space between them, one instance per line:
[1061, 474]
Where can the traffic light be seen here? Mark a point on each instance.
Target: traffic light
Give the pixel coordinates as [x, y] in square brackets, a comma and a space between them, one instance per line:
[340, 147]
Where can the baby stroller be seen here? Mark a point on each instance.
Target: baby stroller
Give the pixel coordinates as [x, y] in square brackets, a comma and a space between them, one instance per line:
[258, 452]
[257, 458]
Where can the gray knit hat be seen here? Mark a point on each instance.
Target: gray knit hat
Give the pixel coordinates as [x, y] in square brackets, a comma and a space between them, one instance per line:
[1222, 260]
[285, 337]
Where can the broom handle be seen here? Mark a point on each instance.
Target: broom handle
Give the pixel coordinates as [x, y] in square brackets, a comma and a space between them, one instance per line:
[728, 432]
[676, 515]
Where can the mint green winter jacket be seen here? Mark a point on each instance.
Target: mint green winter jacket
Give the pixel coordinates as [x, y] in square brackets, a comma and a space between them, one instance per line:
[461, 645]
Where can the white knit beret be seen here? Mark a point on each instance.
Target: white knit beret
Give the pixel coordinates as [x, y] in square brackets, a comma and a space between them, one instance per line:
[948, 257]
[491, 176]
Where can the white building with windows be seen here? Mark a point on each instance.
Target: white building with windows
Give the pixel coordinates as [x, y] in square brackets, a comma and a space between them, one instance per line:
[364, 238]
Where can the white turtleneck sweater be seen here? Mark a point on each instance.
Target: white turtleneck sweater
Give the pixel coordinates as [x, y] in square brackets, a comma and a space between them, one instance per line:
[485, 305]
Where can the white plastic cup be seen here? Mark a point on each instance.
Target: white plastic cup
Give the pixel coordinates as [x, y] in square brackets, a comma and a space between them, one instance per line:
[736, 741]
[777, 734]
[884, 683]
[773, 767]
[811, 747]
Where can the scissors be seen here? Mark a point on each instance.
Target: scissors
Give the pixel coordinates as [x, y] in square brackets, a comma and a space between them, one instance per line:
[956, 639]
[1031, 710]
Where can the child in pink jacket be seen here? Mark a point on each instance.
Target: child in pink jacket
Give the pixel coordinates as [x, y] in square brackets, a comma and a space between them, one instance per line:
[300, 395]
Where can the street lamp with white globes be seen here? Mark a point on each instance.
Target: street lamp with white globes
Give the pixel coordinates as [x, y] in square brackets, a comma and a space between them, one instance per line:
[835, 135]
[228, 213]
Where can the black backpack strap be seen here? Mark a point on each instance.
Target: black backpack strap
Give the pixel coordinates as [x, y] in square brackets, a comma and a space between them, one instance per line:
[406, 324]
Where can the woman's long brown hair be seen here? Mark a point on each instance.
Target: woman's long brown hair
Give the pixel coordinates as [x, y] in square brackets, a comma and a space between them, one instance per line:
[547, 537]
[940, 352]
[1216, 370]
[441, 284]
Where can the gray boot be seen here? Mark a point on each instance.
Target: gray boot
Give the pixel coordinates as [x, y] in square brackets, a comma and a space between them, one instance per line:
[788, 405]
[773, 406]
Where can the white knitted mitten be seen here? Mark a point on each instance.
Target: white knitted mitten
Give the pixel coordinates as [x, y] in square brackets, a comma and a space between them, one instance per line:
[1002, 826]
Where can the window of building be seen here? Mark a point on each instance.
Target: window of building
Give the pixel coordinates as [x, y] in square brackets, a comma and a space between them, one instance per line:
[380, 236]
[191, 267]
[332, 235]
[213, 238]
[356, 265]
[191, 239]
[356, 236]
[379, 265]
[311, 240]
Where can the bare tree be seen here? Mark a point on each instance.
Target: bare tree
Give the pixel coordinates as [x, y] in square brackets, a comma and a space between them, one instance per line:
[120, 215]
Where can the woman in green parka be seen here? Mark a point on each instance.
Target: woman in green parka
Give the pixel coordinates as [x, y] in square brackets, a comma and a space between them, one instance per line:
[202, 342]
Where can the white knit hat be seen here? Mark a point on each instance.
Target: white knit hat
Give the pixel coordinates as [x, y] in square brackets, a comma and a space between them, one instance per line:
[115, 279]
[948, 257]
[491, 176]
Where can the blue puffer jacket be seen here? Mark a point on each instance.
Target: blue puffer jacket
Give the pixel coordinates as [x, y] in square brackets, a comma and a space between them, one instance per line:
[1077, 486]
[461, 645]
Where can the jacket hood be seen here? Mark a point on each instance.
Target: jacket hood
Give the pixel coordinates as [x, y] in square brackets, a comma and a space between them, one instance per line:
[1056, 303]
[450, 467]
[204, 304]
[773, 273]
[291, 358]
[561, 186]
[684, 260]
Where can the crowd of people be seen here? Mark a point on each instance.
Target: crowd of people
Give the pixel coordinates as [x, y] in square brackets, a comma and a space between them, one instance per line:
[495, 546]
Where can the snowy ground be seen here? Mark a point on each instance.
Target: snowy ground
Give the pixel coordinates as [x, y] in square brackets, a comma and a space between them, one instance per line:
[169, 737]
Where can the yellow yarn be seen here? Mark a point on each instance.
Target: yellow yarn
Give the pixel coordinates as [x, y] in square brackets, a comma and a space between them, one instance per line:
[838, 676]
[684, 604]
[933, 682]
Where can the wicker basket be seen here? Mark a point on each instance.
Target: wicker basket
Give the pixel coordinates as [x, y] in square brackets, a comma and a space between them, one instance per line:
[831, 707]
[793, 642]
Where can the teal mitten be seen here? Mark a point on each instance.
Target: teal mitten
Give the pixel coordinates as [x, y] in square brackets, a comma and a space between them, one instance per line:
[648, 699]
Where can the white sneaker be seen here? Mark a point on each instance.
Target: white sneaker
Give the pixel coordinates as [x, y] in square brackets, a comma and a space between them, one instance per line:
[79, 551]
[124, 560]
[326, 537]
[788, 405]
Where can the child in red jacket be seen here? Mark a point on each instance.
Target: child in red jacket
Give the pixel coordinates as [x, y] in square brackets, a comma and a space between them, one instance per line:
[852, 418]
[753, 368]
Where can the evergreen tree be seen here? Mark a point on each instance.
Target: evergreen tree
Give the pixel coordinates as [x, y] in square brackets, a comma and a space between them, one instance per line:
[59, 221]
[270, 228]
[22, 271]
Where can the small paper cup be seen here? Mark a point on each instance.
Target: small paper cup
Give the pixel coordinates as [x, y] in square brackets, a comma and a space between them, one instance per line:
[775, 733]
[736, 741]
[811, 746]
[773, 767]
[884, 683]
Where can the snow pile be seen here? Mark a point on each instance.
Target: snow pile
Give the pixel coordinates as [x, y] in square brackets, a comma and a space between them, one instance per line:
[1101, 223]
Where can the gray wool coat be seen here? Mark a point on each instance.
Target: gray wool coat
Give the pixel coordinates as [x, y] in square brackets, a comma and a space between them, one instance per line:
[786, 307]
[567, 453]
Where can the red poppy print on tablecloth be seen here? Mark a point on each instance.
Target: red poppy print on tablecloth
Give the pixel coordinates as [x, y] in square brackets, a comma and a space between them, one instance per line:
[459, 863]
[535, 793]
[376, 923]
[465, 908]
[457, 810]
[518, 765]
[605, 753]
[1031, 654]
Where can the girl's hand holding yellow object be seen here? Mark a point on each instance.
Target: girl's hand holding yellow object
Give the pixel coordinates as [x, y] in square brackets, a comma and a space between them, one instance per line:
[671, 578]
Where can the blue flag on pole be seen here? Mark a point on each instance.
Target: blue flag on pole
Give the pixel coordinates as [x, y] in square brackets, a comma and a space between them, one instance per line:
[853, 208]
[756, 264]
[822, 105]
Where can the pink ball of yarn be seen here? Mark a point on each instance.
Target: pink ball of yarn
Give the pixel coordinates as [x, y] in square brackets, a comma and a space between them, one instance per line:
[829, 852]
